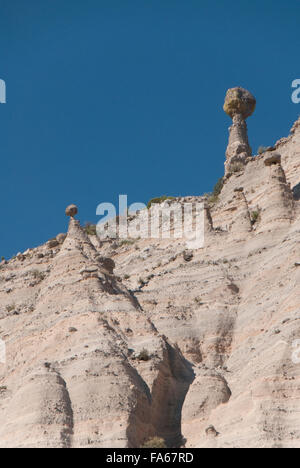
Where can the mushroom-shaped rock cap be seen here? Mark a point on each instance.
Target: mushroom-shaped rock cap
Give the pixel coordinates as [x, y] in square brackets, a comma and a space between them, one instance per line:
[71, 210]
[239, 101]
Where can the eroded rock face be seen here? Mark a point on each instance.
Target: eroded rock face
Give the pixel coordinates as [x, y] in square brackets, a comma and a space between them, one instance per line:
[81, 380]
[239, 104]
[273, 158]
[108, 345]
[60, 238]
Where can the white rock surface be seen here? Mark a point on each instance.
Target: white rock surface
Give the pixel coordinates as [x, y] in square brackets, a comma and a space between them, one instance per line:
[195, 346]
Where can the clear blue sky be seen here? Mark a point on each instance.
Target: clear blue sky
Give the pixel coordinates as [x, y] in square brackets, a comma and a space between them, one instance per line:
[125, 96]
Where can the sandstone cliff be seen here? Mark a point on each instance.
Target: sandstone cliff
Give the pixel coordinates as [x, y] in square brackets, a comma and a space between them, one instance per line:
[194, 347]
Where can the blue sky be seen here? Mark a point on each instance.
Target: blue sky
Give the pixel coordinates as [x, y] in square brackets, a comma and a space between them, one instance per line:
[106, 97]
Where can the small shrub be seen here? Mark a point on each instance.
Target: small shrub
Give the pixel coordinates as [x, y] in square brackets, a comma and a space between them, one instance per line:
[262, 149]
[213, 199]
[159, 200]
[236, 167]
[52, 243]
[255, 216]
[10, 307]
[38, 275]
[218, 187]
[154, 442]
[144, 355]
[126, 242]
[90, 229]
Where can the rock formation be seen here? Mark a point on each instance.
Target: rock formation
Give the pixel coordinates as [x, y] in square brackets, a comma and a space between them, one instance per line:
[71, 211]
[110, 344]
[239, 105]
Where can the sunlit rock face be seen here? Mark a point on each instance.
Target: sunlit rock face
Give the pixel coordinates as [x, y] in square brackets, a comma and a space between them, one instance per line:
[239, 101]
[111, 343]
[239, 105]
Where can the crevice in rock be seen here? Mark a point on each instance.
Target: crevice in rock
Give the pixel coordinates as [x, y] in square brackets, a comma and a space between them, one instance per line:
[139, 424]
[113, 287]
[225, 330]
[277, 425]
[161, 416]
[169, 390]
[67, 430]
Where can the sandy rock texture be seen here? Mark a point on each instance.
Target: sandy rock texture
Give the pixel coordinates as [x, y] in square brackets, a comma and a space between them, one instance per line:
[109, 343]
[239, 105]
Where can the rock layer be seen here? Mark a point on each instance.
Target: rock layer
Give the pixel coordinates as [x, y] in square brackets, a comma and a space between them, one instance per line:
[239, 104]
[109, 344]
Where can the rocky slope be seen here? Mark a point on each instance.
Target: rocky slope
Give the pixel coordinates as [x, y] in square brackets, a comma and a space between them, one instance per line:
[192, 346]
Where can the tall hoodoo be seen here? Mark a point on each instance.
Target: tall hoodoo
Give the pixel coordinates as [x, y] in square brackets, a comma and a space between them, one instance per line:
[239, 105]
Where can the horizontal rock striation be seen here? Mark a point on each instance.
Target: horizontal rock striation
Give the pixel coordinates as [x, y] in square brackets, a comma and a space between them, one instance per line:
[111, 343]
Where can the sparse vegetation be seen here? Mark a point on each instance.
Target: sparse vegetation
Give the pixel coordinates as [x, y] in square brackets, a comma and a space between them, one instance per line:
[154, 442]
[90, 229]
[214, 196]
[52, 243]
[236, 167]
[218, 187]
[38, 275]
[212, 199]
[126, 242]
[159, 200]
[10, 307]
[144, 355]
[255, 216]
[262, 149]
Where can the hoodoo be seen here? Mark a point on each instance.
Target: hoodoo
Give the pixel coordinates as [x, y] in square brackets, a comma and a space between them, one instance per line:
[239, 105]
[141, 342]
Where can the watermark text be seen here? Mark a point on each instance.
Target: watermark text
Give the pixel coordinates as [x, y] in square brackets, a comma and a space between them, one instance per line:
[2, 92]
[296, 94]
[2, 352]
[296, 352]
[167, 220]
